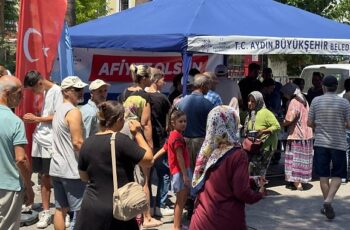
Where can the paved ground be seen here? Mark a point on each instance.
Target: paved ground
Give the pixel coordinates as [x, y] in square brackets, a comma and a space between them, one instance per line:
[284, 209]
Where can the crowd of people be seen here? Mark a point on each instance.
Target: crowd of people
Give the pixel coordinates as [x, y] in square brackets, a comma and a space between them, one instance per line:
[193, 142]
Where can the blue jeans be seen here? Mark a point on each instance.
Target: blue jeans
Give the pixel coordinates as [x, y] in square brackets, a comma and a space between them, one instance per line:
[163, 187]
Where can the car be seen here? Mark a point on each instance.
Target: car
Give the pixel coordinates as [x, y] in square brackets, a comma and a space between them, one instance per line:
[340, 71]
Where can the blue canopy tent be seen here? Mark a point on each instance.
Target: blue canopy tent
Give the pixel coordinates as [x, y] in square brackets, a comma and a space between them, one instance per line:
[214, 26]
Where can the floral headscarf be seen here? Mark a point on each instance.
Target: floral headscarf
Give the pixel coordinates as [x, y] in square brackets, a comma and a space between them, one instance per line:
[220, 138]
[260, 103]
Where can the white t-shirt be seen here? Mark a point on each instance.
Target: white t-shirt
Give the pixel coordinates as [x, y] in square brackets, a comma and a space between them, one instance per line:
[43, 132]
[227, 89]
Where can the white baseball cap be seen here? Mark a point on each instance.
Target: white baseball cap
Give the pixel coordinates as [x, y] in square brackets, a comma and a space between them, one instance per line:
[72, 81]
[97, 84]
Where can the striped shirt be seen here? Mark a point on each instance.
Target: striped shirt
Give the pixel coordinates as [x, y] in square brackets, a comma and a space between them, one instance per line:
[330, 113]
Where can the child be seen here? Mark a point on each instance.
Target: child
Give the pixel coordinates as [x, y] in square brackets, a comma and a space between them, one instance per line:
[179, 163]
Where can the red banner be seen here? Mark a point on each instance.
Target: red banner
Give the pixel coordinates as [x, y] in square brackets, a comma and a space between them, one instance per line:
[39, 31]
[117, 68]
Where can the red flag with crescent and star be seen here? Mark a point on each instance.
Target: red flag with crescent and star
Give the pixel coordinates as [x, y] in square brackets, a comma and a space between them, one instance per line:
[39, 30]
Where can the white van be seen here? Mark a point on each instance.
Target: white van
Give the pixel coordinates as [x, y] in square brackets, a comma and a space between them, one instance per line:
[340, 71]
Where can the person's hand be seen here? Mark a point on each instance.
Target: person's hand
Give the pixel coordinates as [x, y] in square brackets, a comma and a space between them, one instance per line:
[30, 118]
[263, 192]
[262, 181]
[28, 196]
[262, 132]
[135, 127]
[187, 181]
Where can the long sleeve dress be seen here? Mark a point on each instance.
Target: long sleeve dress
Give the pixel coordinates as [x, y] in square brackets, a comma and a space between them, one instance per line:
[221, 202]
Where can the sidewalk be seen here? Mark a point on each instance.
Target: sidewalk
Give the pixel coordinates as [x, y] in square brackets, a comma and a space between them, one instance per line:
[284, 209]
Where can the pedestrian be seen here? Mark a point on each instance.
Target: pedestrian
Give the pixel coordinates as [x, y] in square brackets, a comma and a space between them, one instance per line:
[137, 105]
[316, 89]
[98, 92]
[67, 137]
[160, 106]
[179, 164]
[42, 136]
[227, 87]
[176, 88]
[196, 108]
[299, 147]
[250, 83]
[329, 116]
[347, 97]
[221, 176]
[16, 186]
[212, 95]
[95, 168]
[274, 97]
[263, 121]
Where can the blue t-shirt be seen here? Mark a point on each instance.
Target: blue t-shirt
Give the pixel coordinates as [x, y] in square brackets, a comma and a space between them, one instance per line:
[12, 133]
[89, 114]
[197, 109]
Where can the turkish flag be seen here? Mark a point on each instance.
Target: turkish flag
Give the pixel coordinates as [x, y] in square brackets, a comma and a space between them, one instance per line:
[39, 31]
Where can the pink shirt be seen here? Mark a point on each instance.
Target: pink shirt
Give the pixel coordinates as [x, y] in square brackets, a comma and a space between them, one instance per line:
[298, 113]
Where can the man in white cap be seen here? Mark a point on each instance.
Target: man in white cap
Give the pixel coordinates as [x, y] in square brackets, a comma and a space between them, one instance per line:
[67, 140]
[98, 91]
[42, 136]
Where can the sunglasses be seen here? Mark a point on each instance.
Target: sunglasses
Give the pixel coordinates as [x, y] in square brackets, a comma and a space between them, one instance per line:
[76, 89]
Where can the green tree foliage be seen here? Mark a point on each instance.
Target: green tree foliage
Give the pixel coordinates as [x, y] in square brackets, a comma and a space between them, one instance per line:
[10, 13]
[90, 9]
[313, 6]
[334, 9]
[339, 11]
[7, 48]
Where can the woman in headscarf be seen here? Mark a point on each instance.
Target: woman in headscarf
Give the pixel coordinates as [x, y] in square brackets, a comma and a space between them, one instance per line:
[221, 175]
[263, 121]
[299, 148]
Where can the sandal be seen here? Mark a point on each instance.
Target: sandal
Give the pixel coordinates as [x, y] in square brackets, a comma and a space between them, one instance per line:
[152, 224]
[329, 212]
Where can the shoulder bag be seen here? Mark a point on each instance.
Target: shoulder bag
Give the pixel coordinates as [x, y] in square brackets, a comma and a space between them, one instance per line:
[251, 144]
[129, 200]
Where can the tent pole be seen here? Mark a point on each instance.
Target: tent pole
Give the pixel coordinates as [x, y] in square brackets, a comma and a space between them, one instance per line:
[186, 66]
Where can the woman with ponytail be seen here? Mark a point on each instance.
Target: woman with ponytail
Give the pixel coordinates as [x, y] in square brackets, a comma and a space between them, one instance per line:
[136, 102]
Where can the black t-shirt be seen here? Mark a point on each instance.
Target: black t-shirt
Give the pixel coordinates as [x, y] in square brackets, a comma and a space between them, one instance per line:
[174, 95]
[140, 93]
[248, 85]
[312, 93]
[160, 106]
[95, 159]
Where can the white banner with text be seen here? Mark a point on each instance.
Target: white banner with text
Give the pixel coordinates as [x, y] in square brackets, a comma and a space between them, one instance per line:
[267, 45]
